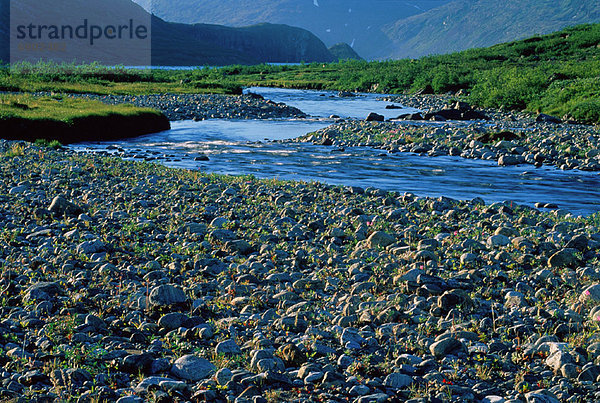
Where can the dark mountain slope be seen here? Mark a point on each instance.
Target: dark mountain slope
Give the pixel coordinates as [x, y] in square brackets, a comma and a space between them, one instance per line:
[464, 24]
[181, 44]
[356, 22]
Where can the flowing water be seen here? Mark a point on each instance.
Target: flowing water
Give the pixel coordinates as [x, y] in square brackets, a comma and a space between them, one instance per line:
[242, 147]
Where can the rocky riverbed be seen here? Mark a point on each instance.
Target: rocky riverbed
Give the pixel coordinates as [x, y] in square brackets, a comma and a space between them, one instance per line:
[134, 282]
[201, 107]
[509, 138]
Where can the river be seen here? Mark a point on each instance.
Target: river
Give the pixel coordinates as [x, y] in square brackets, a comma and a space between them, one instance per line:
[242, 147]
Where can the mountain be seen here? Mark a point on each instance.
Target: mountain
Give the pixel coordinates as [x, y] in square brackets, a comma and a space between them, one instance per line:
[343, 51]
[175, 43]
[4, 33]
[464, 24]
[204, 44]
[356, 22]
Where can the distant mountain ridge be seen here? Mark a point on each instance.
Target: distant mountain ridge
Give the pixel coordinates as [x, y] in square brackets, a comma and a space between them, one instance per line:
[383, 29]
[206, 44]
[356, 22]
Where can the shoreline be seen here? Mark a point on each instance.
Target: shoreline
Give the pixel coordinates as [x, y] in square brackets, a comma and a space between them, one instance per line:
[136, 278]
[520, 138]
[511, 138]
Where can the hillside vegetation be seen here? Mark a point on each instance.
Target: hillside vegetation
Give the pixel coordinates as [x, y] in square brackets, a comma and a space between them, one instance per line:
[465, 24]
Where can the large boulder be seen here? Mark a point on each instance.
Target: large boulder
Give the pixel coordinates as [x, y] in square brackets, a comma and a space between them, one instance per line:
[166, 295]
[375, 117]
[192, 368]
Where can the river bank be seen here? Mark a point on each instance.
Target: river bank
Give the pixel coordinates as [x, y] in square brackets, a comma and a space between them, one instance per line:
[201, 107]
[68, 120]
[124, 278]
[511, 138]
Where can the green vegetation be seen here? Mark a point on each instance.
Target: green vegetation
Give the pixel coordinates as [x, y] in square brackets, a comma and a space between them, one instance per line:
[557, 74]
[97, 79]
[66, 119]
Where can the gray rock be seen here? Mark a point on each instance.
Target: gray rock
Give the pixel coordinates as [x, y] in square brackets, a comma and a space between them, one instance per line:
[172, 321]
[95, 322]
[192, 368]
[497, 240]
[442, 348]
[514, 299]
[375, 117]
[380, 239]
[228, 347]
[506, 160]
[91, 247]
[592, 294]
[60, 206]
[359, 390]
[563, 258]
[397, 380]
[350, 337]
[42, 291]
[557, 359]
[375, 398]
[590, 374]
[193, 228]
[223, 376]
[493, 399]
[166, 295]
[130, 399]
[541, 396]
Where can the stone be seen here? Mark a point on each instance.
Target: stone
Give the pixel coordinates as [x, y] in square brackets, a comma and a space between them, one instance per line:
[497, 240]
[192, 368]
[543, 118]
[42, 291]
[171, 321]
[590, 374]
[374, 398]
[541, 396]
[590, 294]
[130, 399]
[380, 239]
[507, 160]
[60, 206]
[397, 380]
[223, 376]
[194, 228]
[166, 295]
[579, 242]
[91, 247]
[228, 347]
[442, 348]
[351, 337]
[291, 355]
[557, 359]
[514, 299]
[375, 117]
[563, 258]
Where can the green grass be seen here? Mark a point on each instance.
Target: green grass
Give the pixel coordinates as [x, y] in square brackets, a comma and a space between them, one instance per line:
[59, 108]
[556, 74]
[65, 119]
[102, 80]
